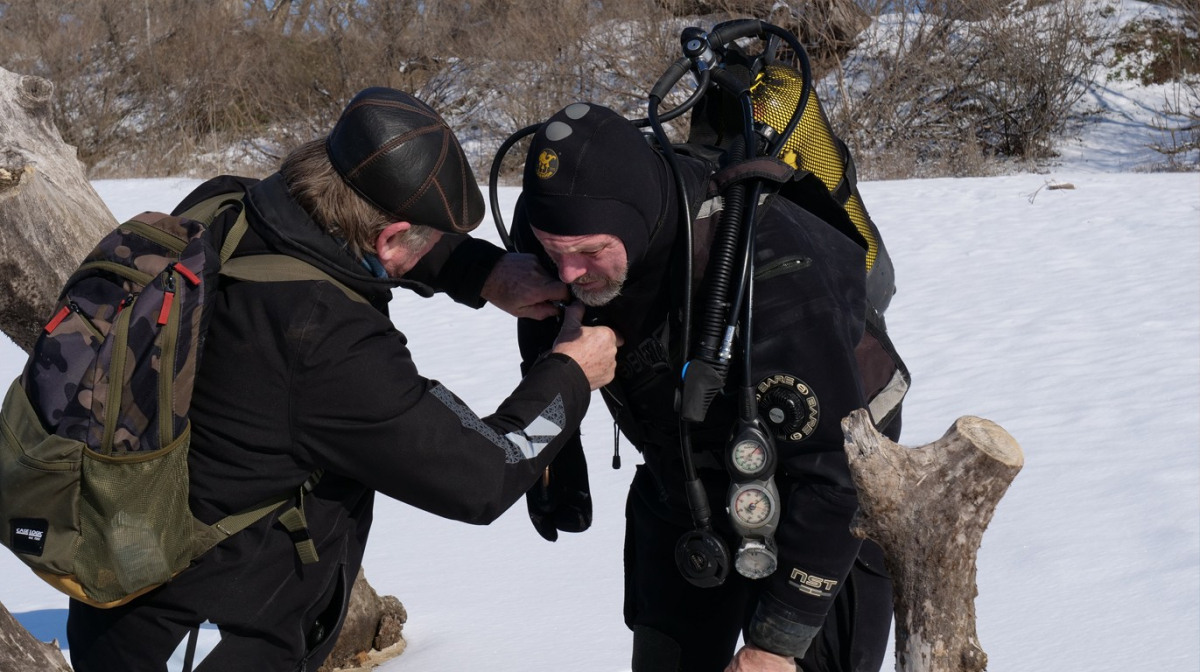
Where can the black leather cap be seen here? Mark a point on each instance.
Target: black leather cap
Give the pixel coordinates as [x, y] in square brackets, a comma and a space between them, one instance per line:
[400, 156]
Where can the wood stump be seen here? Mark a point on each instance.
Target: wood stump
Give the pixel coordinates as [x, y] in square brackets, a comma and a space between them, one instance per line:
[372, 623]
[928, 508]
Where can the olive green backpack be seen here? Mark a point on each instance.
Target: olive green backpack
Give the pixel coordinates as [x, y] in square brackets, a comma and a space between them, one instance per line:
[93, 494]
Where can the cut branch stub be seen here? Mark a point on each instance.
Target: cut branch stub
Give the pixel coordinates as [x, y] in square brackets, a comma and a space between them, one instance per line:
[928, 508]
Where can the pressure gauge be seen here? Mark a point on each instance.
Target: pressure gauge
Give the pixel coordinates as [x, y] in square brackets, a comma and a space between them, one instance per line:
[751, 454]
[749, 457]
[752, 506]
[756, 558]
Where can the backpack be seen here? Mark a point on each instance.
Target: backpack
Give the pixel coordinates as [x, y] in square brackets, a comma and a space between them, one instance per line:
[94, 495]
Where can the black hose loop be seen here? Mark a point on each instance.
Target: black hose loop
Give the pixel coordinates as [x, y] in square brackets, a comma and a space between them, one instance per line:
[494, 179]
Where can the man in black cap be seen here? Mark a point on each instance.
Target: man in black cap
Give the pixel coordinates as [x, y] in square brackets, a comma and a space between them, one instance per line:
[599, 207]
[310, 377]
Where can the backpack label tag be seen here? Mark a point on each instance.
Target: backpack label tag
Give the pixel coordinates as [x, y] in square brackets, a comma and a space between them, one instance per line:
[29, 535]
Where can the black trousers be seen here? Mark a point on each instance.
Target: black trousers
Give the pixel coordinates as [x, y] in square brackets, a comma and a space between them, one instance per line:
[681, 628]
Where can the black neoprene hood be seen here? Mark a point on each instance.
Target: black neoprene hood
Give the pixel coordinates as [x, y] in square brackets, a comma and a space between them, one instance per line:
[400, 156]
[589, 171]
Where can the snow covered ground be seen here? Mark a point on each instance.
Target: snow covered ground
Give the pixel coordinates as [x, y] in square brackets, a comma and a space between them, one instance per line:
[1069, 317]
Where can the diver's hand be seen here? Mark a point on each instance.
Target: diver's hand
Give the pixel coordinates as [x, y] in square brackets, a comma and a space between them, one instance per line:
[593, 348]
[519, 286]
[750, 658]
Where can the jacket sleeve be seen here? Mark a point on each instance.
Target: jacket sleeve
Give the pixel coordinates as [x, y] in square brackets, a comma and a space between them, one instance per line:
[563, 500]
[361, 409]
[458, 265]
[809, 307]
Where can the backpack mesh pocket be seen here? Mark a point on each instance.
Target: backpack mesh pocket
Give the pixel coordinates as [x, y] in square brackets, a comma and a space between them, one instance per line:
[135, 520]
[39, 488]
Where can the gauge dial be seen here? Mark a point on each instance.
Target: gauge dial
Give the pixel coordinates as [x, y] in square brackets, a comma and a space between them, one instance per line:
[755, 560]
[749, 457]
[752, 506]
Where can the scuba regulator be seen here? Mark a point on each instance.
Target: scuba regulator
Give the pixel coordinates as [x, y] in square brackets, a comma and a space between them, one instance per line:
[768, 121]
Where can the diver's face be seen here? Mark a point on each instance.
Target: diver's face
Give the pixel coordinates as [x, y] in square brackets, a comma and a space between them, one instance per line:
[594, 265]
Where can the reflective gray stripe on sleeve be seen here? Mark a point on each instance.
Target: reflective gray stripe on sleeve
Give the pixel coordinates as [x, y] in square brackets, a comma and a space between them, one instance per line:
[519, 445]
[888, 398]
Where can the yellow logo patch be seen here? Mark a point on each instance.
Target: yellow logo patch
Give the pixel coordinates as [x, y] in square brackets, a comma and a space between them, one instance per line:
[547, 164]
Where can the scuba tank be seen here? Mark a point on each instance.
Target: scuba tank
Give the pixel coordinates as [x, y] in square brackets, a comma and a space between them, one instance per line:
[762, 120]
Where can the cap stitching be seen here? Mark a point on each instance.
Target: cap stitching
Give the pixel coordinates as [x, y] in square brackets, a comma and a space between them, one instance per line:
[437, 166]
[462, 172]
[389, 146]
[388, 103]
[446, 204]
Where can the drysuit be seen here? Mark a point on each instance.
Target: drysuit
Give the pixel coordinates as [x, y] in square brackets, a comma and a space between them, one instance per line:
[829, 602]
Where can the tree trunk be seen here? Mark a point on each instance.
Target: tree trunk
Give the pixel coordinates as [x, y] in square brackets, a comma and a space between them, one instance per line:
[50, 219]
[928, 508]
[21, 651]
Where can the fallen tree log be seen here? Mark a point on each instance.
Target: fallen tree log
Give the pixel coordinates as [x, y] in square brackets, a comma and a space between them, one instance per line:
[21, 651]
[928, 508]
[50, 218]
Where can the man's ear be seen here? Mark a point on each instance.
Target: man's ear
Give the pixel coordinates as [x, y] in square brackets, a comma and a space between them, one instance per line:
[387, 245]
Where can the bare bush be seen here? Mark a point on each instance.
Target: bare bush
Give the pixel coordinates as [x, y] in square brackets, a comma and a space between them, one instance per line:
[953, 85]
[153, 87]
[1160, 51]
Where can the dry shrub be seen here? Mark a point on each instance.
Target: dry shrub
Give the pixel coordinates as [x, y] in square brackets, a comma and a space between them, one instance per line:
[194, 86]
[949, 84]
[1161, 51]
[153, 87]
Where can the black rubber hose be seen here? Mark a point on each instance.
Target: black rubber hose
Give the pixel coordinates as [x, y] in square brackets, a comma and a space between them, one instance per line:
[701, 88]
[805, 84]
[494, 178]
[697, 504]
[721, 265]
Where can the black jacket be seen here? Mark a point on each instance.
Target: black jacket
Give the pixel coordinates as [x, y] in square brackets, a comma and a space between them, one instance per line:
[809, 306]
[296, 377]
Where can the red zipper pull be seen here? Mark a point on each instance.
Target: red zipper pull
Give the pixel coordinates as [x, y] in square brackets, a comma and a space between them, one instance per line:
[57, 319]
[168, 299]
[191, 277]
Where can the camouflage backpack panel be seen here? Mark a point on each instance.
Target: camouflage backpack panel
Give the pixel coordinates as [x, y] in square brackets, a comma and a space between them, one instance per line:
[123, 309]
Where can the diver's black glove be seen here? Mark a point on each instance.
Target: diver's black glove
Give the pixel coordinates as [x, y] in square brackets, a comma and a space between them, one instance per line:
[560, 499]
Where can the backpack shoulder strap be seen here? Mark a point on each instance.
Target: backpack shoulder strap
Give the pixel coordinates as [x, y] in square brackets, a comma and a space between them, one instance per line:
[206, 212]
[281, 268]
[207, 536]
[262, 267]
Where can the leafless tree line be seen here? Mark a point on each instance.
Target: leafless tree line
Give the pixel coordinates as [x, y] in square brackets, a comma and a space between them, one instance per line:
[154, 87]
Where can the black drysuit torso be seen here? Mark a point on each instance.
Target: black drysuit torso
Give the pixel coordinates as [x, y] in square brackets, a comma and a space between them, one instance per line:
[809, 305]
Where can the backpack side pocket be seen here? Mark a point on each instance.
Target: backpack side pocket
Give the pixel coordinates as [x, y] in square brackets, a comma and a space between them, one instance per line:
[136, 523]
[39, 488]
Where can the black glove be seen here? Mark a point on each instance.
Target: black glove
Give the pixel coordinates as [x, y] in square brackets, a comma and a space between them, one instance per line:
[560, 499]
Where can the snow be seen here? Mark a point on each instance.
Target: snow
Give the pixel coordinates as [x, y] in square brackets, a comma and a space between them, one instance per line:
[1071, 317]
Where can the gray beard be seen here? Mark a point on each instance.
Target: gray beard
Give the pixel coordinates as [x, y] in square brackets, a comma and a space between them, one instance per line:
[599, 297]
[595, 298]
